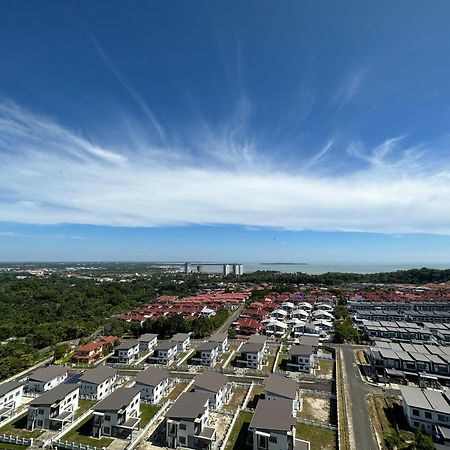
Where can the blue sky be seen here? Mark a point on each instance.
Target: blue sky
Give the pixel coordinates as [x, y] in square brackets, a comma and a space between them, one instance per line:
[314, 131]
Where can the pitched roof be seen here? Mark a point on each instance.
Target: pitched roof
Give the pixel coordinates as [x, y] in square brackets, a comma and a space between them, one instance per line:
[5, 388]
[252, 347]
[282, 386]
[90, 346]
[54, 395]
[210, 381]
[152, 376]
[98, 375]
[189, 405]
[48, 373]
[148, 337]
[165, 345]
[257, 338]
[301, 350]
[218, 337]
[127, 344]
[120, 398]
[180, 337]
[207, 346]
[273, 415]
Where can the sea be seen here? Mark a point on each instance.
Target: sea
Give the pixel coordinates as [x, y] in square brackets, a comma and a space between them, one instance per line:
[317, 269]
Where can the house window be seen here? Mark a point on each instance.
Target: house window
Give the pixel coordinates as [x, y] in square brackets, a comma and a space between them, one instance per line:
[41, 411]
[262, 442]
[182, 440]
[428, 415]
[415, 412]
[182, 426]
[273, 439]
[106, 430]
[39, 422]
[107, 418]
[441, 418]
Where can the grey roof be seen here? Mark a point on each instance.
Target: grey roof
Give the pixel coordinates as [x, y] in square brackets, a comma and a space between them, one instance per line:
[152, 376]
[207, 346]
[5, 388]
[98, 375]
[120, 398]
[189, 405]
[252, 347]
[165, 345]
[257, 338]
[281, 385]
[55, 395]
[210, 381]
[127, 344]
[180, 337]
[148, 337]
[301, 350]
[48, 373]
[309, 340]
[218, 337]
[273, 415]
[414, 397]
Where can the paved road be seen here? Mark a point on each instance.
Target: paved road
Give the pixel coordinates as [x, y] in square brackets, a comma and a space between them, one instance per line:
[231, 319]
[362, 427]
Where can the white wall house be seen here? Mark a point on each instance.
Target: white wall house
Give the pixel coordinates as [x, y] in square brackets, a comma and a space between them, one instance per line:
[221, 339]
[126, 352]
[187, 423]
[216, 385]
[54, 408]
[153, 384]
[253, 352]
[147, 342]
[273, 427]
[206, 354]
[426, 409]
[98, 383]
[46, 378]
[165, 352]
[10, 397]
[183, 341]
[301, 358]
[118, 414]
[279, 387]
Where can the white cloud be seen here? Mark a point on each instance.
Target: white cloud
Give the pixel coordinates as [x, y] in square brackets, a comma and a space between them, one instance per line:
[349, 88]
[51, 175]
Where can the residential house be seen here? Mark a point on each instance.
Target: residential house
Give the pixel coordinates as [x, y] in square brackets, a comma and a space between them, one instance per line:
[183, 341]
[46, 378]
[206, 354]
[301, 358]
[92, 351]
[273, 427]
[153, 383]
[10, 397]
[98, 383]
[253, 353]
[426, 409]
[279, 387]
[54, 408]
[187, 423]
[222, 340]
[126, 352]
[147, 342]
[248, 326]
[165, 352]
[118, 414]
[216, 385]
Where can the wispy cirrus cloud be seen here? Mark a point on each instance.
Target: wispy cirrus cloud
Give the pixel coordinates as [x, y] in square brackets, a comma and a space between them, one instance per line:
[51, 175]
[349, 88]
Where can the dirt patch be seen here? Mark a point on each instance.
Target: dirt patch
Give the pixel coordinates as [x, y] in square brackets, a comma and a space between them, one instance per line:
[316, 409]
[220, 422]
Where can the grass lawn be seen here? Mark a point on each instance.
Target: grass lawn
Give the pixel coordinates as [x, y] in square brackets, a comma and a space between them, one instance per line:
[82, 434]
[222, 361]
[325, 367]
[238, 436]
[18, 428]
[282, 362]
[3, 445]
[83, 406]
[238, 395]
[255, 395]
[320, 438]
[270, 362]
[147, 412]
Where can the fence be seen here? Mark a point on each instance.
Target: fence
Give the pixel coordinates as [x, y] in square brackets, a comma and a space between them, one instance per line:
[74, 446]
[6, 438]
[317, 424]
[343, 428]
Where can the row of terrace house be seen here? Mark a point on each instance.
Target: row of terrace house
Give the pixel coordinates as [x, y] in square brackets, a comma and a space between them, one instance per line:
[131, 349]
